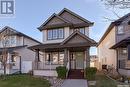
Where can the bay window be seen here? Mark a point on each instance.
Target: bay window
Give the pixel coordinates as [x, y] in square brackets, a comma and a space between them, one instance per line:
[53, 34]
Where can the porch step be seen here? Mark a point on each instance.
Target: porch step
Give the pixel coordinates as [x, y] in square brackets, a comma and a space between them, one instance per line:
[76, 74]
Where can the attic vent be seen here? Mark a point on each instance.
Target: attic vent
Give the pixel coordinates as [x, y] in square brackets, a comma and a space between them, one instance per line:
[129, 22]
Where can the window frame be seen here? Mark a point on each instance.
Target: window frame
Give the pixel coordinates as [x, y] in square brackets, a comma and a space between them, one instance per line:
[57, 34]
[122, 29]
[62, 33]
[51, 34]
[83, 30]
[51, 58]
[73, 30]
[13, 58]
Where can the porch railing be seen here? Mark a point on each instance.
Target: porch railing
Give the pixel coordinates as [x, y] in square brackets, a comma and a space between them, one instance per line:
[44, 65]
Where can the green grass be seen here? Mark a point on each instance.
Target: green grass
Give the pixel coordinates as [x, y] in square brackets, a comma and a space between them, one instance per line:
[23, 81]
[103, 81]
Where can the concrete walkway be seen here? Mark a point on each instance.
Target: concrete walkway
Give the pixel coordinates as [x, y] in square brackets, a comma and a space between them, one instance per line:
[74, 83]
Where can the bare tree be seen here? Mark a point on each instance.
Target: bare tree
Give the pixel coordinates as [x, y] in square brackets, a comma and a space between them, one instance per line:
[121, 4]
[4, 51]
[115, 6]
[4, 38]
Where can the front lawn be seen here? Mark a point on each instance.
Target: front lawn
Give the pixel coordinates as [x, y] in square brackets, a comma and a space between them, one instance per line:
[103, 81]
[23, 81]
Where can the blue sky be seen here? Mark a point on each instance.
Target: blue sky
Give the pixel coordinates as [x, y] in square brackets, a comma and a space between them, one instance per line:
[30, 14]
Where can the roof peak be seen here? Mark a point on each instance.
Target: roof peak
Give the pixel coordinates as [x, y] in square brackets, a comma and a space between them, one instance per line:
[65, 20]
[17, 32]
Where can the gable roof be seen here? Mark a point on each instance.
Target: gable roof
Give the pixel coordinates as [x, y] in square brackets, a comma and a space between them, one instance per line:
[76, 15]
[68, 23]
[115, 23]
[80, 34]
[18, 33]
[52, 16]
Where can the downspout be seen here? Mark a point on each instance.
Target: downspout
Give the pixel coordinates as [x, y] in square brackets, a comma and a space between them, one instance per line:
[117, 60]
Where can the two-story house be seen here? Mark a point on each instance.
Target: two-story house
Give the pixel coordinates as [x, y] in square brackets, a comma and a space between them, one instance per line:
[66, 42]
[113, 48]
[14, 53]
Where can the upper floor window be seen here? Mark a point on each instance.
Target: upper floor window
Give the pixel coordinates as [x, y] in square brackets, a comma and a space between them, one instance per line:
[82, 30]
[12, 40]
[55, 34]
[120, 29]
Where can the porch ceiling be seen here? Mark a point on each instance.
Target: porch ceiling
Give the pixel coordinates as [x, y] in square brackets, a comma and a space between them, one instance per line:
[121, 44]
[58, 47]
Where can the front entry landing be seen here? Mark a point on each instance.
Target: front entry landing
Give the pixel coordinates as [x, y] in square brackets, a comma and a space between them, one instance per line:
[76, 65]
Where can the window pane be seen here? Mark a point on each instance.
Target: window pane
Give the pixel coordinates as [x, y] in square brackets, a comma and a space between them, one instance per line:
[61, 33]
[48, 58]
[55, 34]
[12, 40]
[49, 34]
[120, 29]
[82, 30]
[61, 58]
[13, 58]
[55, 58]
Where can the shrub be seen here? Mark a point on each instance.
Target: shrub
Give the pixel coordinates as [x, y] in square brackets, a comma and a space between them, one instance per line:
[61, 71]
[90, 73]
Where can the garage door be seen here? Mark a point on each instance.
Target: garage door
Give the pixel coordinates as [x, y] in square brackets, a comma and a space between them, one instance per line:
[26, 66]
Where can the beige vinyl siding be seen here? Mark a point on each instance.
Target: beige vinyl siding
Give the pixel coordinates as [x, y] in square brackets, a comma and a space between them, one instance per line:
[105, 54]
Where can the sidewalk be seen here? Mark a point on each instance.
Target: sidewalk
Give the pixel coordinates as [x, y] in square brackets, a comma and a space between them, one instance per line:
[74, 83]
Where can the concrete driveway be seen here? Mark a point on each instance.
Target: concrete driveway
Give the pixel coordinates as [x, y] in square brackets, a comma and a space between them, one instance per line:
[74, 83]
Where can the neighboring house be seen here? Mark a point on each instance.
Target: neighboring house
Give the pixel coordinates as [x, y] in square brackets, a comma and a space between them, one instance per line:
[107, 56]
[93, 61]
[113, 48]
[14, 44]
[66, 42]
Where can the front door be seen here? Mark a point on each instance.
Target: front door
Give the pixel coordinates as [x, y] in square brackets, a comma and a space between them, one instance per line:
[77, 60]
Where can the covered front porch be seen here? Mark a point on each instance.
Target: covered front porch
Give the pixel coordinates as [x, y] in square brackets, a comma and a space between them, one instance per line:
[10, 60]
[46, 61]
[123, 56]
